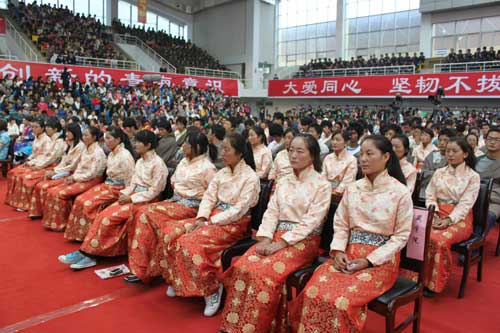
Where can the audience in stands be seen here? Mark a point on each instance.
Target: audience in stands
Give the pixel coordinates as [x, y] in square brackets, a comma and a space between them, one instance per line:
[62, 35]
[360, 62]
[176, 50]
[479, 55]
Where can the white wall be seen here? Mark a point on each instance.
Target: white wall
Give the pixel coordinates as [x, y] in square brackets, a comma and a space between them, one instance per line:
[222, 31]
[267, 45]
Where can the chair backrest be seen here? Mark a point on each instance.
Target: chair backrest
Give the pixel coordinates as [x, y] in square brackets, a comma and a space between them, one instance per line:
[10, 154]
[414, 254]
[257, 212]
[418, 185]
[481, 207]
[425, 179]
[327, 232]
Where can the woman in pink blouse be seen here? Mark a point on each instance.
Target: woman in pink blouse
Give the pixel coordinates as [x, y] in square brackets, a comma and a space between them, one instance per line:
[366, 245]
[40, 148]
[262, 156]
[120, 166]
[288, 240]
[194, 266]
[340, 168]
[401, 147]
[161, 222]
[107, 236]
[56, 176]
[453, 190]
[424, 148]
[42, 164]
[59, 199]
[281, 165]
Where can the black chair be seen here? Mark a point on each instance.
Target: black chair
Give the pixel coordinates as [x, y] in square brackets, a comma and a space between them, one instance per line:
[257, 213]
[406, 291]
[9, 161]
[473, 248]
[403, 292]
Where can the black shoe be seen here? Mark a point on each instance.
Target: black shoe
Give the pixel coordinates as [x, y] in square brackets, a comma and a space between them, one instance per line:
[429, 294]
[131, 279]
[35, 217]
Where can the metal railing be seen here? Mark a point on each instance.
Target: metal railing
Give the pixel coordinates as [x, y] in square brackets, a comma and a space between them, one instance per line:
[28, 49]
[111, 63]
[133, 40]
[362, 71]
[8, 56]
[212, 73]
[467, 67]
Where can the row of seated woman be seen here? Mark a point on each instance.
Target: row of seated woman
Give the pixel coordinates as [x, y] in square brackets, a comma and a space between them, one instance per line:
[182, 239]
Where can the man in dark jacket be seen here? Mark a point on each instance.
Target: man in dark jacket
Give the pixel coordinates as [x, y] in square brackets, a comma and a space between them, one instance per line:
[167, 146]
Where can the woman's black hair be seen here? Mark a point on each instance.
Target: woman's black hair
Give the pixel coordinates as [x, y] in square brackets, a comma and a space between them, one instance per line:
[241, 146]
[428, 131]
[76, 130]
[260, 132]
[292, 130]
[345, 135]
[470, 160]
[40, 122]
[3, 125]
[405, 141]
[147, 137]
[118, 133]
[199, 145]
[472, 134]
[313, 147]
[95, 132]
[54, 123]
[393, 165]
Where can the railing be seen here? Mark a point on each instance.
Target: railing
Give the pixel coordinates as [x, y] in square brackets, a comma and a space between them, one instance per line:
[467, 67]
[112, 63]
[28, 49]
[212, 73]
[8, 56]
[133, 40]
[362, 71]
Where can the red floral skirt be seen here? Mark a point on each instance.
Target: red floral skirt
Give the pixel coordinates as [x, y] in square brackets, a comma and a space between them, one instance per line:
[40, 194]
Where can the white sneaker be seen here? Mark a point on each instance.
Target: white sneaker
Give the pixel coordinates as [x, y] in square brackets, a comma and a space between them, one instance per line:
[212, 302]
[170, 291]
[71, 258]
[85, 262]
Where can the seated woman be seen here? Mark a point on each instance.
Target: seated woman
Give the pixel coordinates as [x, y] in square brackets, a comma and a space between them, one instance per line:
[69, 161]
[453, 190]
[340, 168]
[473, 140]
[424, 148]
[365, 249]
[401, 147]
[119, 170]
[281, 165]
[59, 199]
[40, 148]
[262, 156]
[107, 236]
[45, 163]
[157, 222]
[23, 146]
[193, 261]
[289, 238]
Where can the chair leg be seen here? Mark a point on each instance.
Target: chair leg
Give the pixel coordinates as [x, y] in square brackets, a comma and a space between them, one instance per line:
[390, 322]
[417, 313]
[464, 275]
[480, 264]
[497, 252]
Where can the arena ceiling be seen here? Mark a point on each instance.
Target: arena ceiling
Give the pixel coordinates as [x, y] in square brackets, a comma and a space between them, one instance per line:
[193, 6]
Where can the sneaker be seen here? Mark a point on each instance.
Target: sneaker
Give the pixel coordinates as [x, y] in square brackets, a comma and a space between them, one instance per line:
[20, 210]
[212, 302]
[71, 258]
[170, 291]
[84, 262]
[132, 278]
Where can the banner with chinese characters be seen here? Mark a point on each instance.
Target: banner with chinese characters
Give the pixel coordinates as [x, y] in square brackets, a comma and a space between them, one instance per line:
[142, 9]
[52, 72]
[458, 85]
[2, 25]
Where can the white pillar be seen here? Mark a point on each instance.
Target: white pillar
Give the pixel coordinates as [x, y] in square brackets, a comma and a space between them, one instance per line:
[426, 34]
[340, 28]
[252, 42]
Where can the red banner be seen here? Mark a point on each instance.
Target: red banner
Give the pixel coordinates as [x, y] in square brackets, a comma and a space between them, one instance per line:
[142, 9]
[2, 25]
[458, 85]
[52, 72]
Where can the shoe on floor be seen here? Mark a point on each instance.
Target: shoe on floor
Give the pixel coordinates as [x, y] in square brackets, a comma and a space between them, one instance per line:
[429, 294]
[20, 210]
[83, 263]
[132, 278]
[212, 302]
[170, 291]
[71, 258]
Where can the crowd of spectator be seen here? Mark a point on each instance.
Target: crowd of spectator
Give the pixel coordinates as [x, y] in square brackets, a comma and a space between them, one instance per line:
[361, 62]
[176, 50]
[63, 36]
[480, 55]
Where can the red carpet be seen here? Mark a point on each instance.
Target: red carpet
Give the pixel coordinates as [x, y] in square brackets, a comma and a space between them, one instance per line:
[34, 283]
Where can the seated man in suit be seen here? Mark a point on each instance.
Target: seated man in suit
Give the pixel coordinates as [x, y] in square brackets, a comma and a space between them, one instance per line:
[488, 166]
